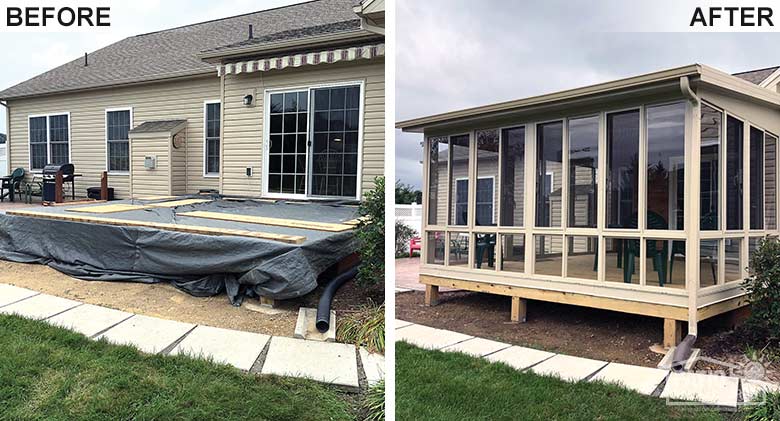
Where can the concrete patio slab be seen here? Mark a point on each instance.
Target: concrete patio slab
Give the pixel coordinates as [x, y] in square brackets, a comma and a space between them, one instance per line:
[400, 323]
[751, 388]
[477, 347]
[641, 379]
[373, 366]
[11, 294]
[149, 334]
[428, 337]
[709, 389]
[326, 362]
[89, 319]
[568, 368]
[519, 357]
[39, 307]
[239, 349]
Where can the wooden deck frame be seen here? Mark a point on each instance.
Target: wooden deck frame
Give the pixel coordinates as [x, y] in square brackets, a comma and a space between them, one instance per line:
[192, 229]
[673, 316]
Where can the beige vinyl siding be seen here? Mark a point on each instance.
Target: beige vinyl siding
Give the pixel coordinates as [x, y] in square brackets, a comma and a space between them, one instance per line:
[243, 126]
[150, 182]
[182, 99]
[179, 166]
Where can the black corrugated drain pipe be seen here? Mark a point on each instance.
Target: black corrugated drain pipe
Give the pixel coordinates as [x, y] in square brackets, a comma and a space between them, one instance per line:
[323, 308]
[682, 353]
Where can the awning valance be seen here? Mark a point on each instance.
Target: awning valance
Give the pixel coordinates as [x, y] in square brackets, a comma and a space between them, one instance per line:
[303, 59]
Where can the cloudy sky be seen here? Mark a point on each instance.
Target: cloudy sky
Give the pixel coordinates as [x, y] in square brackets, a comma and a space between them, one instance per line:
[28, 54]
[453, 54]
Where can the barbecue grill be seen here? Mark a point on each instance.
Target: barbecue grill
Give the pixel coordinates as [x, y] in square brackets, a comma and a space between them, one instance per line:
[50, 180]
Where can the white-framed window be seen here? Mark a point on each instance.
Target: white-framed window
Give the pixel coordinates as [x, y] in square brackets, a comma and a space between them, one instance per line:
[119, 121]
[313, 141]
[485, 204]
[49, 138]
[212, 122]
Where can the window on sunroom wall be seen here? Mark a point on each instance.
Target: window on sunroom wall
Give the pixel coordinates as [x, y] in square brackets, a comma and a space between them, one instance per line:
[459, 180]
[583, 171]
[513, 176]
[756, 179]
[711, 126]
[734, 165]
[665, 166]
[487, 175]
[622, 169]
[437, 179]
[549, 174]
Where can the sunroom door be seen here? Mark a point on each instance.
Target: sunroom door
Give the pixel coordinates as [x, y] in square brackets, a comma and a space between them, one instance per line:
[288, 144]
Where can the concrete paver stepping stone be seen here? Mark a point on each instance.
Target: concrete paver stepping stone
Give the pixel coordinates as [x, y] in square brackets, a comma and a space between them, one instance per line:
[751, 388]
[239, 349]
[519, 357]
[40, 306]
[149, 334]
[641, 379]
[89, 319]
[428, 337]
[10, 294]
[568, 368]
[373, 365]
[709, 389]
[477, 347]
[401, 323]
[326, 362]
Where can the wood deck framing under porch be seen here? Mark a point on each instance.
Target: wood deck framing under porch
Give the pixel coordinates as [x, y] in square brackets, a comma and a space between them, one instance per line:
[674, 316]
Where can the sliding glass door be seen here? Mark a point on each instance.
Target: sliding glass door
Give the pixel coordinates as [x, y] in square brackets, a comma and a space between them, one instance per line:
[313, 142]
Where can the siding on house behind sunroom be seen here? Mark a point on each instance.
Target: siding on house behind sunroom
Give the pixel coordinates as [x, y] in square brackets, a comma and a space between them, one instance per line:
[243, 130]
[159, 101]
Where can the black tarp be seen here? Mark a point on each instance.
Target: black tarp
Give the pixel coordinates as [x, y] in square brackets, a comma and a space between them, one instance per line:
[202, 265]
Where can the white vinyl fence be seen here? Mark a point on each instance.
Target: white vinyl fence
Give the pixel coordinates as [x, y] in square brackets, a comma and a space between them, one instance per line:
[3, 160]
[411, 215]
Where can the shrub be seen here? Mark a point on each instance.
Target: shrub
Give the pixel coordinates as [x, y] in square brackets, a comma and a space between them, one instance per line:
[405, 194]
[373, 408]
[371, 235]
[363, 327]
[403, 233]
[763, 290]
[767, 410]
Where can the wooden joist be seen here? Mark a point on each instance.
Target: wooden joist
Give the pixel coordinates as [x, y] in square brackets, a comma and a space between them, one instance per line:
[192, 229]
[119, 207]
[291, 223]
[175, 203]
[154, 197]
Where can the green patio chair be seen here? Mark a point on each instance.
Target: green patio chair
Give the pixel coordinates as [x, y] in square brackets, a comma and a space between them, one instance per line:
[12, 184]
[708, 222]
[630, 250]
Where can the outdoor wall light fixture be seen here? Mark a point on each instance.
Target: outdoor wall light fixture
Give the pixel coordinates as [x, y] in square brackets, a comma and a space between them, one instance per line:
[248, 100]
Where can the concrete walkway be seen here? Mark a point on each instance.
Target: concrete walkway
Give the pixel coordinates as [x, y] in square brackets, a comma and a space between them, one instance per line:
[338, 364]
[714, 390]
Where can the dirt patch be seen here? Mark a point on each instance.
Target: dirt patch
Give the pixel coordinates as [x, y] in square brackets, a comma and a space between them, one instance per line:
[560, 328]
[742, 356]
[165, 301]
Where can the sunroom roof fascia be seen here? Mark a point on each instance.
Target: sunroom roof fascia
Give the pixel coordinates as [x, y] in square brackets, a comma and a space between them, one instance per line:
[723, 80]
[419, 124]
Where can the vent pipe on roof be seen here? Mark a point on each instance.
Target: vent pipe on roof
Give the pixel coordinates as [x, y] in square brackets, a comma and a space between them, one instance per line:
[250, 32]
[86, 60]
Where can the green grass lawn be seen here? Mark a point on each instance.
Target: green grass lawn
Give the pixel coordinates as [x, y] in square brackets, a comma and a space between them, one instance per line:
[435, 385]
[54, 374]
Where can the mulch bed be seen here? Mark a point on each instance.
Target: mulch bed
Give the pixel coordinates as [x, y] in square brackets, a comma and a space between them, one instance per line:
[572, 330]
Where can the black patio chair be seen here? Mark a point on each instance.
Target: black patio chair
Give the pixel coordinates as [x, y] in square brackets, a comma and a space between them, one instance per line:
[12, 184]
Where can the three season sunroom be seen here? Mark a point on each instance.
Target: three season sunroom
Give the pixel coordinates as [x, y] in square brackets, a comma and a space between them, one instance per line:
[648, 202]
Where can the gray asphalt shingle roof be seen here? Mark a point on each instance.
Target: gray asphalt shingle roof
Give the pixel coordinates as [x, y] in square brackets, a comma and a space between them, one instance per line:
[159, 126]
[756, 76]
[346, 26]
[173, 52]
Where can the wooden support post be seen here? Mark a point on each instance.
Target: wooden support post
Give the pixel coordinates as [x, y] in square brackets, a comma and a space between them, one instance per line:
[266, 301]
[672, 332]
[104, 186]
[431, 295]
[519, 308]
[58, 187]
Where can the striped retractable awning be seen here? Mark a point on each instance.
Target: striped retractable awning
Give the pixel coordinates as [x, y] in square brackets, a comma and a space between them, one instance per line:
[303, 59]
